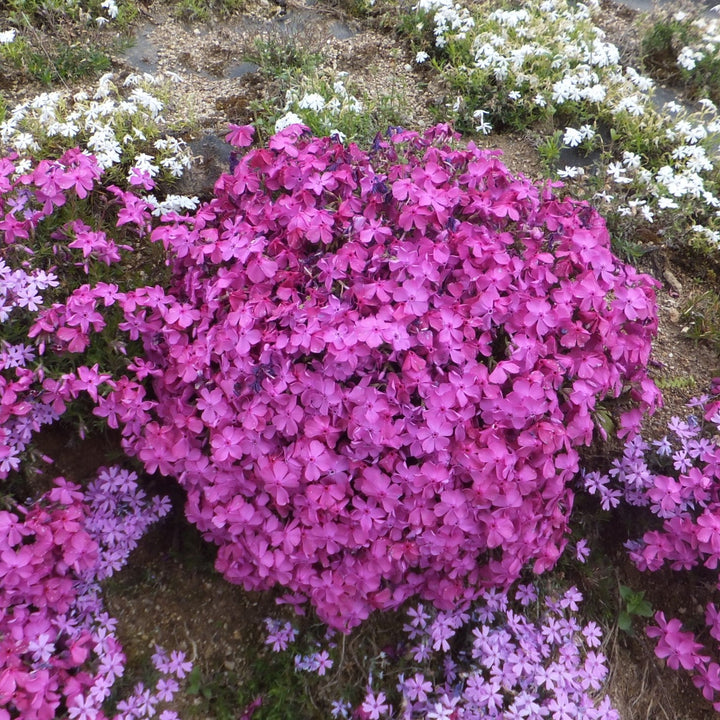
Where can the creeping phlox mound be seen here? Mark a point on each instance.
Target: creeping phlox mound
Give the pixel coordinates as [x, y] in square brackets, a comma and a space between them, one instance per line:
[372, 369]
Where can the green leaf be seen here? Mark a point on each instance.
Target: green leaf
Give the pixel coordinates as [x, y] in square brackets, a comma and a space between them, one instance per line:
[625, 622]
[194, 681]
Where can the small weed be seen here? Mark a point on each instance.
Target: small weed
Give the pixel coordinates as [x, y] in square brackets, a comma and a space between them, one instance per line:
[626, 249]
[201, 10]
[51, 57]
[635, 606]
[549, 149]
[67, 63]
[283, 56]
[676, 383]
[701, 317]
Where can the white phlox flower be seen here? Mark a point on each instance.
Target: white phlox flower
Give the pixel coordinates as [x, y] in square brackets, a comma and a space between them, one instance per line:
[572, 137]
[111, 7]
[312, 101]
[571, 171]
[146, 100]
[688, 58]
[287, 120]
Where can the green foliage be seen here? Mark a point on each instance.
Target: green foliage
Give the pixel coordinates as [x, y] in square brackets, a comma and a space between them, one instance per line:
[635, 606]
[53, 60]
[549, 149]
[701, 316]
[669, 36]
[676, 383]
[272, 677]
[283, 690]
[604, 419]
[202, 10]
[68, 63]
[283, 56]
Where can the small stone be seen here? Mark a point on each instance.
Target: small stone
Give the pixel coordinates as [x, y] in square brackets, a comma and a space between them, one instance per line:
[674, 315]
[673, 282]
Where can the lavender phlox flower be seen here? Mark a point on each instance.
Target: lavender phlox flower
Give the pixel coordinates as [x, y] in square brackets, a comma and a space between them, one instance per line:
[375, 705]
[681, 461]
[610, 498]
[525, 594]
[496, 600]
[594, 481]
[166, 689]
[421, 652]
[494, 649]
[280, 635]
[418, 616]
[682, 428]
[594, 670]
[416, 688]
[83, 708]
[552, 630]
[592, 634]
[340, 708]
[582, 550]
[441, 631]
[571, 599]
[444, 709]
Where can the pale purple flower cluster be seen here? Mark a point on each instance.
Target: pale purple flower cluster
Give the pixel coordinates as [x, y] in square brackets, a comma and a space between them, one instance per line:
[490, 661]
[677, 478]
[120, 516]
[20, 414]
[372, 368]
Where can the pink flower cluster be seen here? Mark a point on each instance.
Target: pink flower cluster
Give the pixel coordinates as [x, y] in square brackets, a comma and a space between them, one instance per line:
[30, 212]
[58, 646]
[372, 369]
[44, 552]
[678, 478]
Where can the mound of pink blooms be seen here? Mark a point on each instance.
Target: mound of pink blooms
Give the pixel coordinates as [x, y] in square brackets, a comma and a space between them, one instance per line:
[373, 368]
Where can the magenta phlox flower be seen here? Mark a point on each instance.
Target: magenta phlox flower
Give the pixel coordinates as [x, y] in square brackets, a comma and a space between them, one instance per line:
[240, 135]
[281, 479]
[81, 172]
[678, 647]
[707, 680]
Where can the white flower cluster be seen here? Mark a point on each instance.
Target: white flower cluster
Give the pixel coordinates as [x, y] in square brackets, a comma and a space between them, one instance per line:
[574, 137]
[320, 102]
[550, 51]
[688, 182]
[172, 204]
[542, 54]
[705, 40]
[452, 21]
[112, 10]
[110, 122]
[688, 58]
